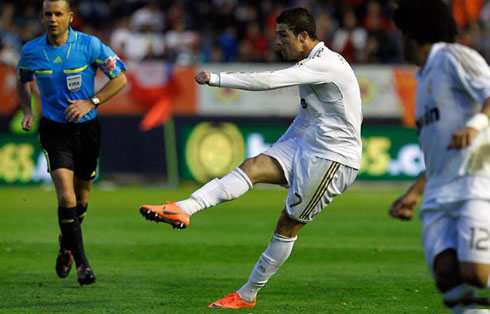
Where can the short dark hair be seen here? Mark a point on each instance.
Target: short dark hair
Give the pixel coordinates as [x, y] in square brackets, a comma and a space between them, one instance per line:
[425, 21]
[298, 20]
[67, 3]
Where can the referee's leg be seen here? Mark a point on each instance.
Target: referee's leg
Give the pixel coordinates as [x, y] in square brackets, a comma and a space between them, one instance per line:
[69, 222]
[82, 192]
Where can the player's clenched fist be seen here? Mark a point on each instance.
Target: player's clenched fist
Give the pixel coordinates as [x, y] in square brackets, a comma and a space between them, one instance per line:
[462, 138]
[403, 207]
[202, 78]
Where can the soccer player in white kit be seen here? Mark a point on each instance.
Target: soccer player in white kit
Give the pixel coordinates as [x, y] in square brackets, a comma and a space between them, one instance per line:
[318, 157]
[452, 116]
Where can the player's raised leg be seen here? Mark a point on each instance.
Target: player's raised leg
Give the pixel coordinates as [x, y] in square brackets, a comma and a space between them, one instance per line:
[260, 169]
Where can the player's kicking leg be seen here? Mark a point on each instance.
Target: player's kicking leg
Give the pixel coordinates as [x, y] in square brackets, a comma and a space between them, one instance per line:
[315, 183]
[270, 261]
[231, 186]
[260, 169]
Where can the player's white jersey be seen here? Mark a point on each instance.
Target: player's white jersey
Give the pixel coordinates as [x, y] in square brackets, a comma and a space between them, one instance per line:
[330, 113]
[451, 89]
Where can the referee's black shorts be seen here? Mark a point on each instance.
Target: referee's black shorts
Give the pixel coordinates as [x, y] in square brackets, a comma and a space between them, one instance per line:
[74, 146]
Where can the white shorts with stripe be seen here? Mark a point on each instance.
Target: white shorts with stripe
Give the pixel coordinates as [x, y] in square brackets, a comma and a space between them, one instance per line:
[463, 226]
[313, 181]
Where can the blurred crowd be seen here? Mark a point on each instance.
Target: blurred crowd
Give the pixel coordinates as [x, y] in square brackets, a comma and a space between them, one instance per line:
[202, 31]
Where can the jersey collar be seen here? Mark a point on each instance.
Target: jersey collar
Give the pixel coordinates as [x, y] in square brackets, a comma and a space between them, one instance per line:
[430, 59]
[315, 49]
[72, 37]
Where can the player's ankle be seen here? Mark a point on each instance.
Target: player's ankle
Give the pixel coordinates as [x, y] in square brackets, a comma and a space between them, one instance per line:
[248, 292]
[189, 206]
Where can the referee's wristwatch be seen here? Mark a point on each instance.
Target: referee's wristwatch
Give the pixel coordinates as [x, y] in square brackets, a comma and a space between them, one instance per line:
[95, 101]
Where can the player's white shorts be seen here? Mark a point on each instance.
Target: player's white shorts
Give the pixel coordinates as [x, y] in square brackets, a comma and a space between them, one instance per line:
[463, 226]
[313, 181]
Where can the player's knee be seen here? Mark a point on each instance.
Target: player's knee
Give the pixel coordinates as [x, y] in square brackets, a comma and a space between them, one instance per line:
[263, 169]
[475, 274]
[287, 226]
[253, 168]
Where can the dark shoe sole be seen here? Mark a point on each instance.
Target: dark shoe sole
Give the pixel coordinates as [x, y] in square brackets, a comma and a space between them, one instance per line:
[87, 278]
[64, 262]
[152, 216]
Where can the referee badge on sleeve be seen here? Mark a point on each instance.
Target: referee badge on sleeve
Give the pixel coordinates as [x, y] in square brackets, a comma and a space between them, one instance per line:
[74, 82]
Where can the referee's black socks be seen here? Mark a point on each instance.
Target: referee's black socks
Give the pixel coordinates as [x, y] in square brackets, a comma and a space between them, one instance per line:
[72, 233]
[81, 212]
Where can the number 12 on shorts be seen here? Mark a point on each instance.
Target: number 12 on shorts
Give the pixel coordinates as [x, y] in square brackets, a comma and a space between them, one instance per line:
[479, 237]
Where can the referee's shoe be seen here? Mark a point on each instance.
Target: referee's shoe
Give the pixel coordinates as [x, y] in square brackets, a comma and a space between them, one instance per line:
[86, 275]
[64, 260]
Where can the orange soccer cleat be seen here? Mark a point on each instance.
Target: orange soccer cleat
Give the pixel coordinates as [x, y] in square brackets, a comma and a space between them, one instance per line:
[232, 301]
[169, 213]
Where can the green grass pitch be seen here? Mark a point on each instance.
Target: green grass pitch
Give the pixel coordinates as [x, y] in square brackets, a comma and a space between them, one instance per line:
[351, 259]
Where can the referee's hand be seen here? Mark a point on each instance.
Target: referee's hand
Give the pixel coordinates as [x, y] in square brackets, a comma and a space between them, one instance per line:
[77, 109]
[27, 121]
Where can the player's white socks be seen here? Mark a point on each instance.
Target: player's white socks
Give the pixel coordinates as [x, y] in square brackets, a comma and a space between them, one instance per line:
[233, 185]
[269, 262]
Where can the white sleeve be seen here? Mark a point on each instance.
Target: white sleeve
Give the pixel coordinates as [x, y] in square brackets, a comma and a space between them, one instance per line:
[470, 70]
[304, 73]
[297, 127]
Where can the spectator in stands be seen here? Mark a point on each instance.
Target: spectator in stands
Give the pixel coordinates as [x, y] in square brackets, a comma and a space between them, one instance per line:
[182, 43]
[146, 39]
[9, 55]
[120, 37]
[148, 17]
[256, 41]
[326, 27]
[350, 39]
[228, 43]
[382, 44]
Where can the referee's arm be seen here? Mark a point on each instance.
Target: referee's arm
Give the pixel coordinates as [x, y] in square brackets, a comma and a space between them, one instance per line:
[78, 108]
[24, 95]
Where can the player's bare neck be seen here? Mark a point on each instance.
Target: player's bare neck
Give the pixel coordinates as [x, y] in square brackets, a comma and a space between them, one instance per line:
[423, 55]
[59, 40]
[308, 47]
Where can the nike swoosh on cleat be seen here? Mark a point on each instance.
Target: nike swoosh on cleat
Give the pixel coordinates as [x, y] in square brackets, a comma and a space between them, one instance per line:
[170, 213]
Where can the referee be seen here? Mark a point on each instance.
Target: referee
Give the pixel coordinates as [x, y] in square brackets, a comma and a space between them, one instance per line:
[64, 63]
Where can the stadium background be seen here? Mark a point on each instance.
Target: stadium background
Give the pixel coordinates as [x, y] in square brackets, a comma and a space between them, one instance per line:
[165, 43]
[164, 132]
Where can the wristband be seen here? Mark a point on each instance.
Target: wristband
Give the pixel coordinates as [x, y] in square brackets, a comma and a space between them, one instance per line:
[214, 79]
[479, 121]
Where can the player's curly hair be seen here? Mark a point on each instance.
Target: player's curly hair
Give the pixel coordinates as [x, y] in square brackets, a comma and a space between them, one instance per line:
[298, 20]
[425, 21]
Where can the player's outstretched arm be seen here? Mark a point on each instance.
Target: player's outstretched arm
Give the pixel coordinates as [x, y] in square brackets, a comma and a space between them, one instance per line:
[311, 72]
[24, 94]
[404, 206]
[464, 137]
